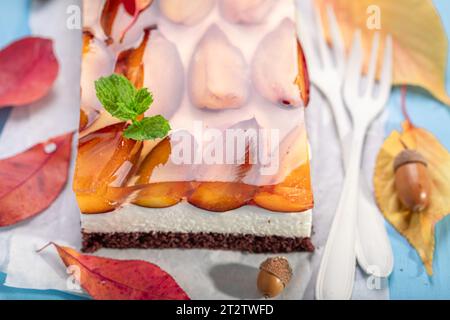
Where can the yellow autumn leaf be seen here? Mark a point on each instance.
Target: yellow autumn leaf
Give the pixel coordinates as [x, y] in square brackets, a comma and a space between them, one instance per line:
[417, 228]
[420, 41]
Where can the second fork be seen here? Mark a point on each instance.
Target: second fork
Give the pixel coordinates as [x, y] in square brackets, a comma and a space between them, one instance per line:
[327, 66]
[337, 270]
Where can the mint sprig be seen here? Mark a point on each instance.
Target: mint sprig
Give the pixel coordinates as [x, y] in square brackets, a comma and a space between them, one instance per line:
[123, 101]
[148, 128]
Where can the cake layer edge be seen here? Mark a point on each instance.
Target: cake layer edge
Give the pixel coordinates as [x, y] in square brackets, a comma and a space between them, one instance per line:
[215, 241]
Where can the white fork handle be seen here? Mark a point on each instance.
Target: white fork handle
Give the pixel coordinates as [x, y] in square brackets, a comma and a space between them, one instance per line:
[372, 245]
[373, 249]
[337, 269]
[342, 121]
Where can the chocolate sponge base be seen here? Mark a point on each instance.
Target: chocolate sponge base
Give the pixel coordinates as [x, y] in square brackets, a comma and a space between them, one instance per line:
[216, 241]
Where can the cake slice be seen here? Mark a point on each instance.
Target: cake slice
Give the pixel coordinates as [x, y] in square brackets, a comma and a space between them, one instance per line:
[234, 171]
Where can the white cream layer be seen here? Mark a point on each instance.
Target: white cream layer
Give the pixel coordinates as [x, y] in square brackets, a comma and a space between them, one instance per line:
[184, 218]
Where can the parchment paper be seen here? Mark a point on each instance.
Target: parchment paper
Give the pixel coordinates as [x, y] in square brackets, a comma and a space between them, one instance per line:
[203, 274]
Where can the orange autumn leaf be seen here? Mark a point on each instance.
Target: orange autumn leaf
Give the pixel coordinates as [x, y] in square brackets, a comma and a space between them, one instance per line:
[111, 279]
[417, 228]
[420, 41]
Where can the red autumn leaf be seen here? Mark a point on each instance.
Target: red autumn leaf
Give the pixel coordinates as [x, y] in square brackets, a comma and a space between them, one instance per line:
[32, 180]
[134, 8]
[111, 279]
[28, 69]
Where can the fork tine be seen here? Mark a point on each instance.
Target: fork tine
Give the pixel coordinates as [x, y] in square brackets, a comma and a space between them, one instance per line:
[305, 39]
[323, 48]
[386, 72]
[354, 66]
[373, 64]
[338, 43]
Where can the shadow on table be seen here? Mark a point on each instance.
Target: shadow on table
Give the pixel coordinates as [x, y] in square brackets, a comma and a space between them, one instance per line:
[236, 280]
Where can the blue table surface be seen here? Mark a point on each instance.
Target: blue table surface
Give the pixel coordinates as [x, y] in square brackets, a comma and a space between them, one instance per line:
[409, 280]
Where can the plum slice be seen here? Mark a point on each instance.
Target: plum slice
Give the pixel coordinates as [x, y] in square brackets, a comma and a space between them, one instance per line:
[105, 163]
[289, 190]
[246, 11]
[279, 70]
[217, 75]
[229, 186]
[161, 194]
[292, 195]
[222, 196]
[186, 12]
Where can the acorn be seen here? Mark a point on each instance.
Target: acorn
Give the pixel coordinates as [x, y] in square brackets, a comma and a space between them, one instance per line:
[412, 180]
[274, 275]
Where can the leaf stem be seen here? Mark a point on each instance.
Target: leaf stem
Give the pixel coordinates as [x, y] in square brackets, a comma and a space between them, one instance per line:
[45, 247]
[404, 91]
[404, 144]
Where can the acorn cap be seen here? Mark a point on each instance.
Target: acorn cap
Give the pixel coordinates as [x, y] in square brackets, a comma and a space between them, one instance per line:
[279, 267]
[409, 156]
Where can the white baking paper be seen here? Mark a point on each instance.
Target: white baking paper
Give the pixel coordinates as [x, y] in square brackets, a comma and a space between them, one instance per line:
[203, 274]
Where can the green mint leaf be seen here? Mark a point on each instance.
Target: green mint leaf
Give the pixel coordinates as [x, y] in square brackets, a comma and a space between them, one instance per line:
[143, 99]
[121, 99]
[148, 129]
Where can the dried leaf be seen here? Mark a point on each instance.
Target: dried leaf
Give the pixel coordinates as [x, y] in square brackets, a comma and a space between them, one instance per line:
[417, 228]
[110, 279]
[28, 69]
[420, 41]
[32, 180]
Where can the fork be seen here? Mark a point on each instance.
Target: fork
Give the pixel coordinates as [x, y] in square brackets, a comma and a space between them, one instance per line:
[337, 270]
[373, 251]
